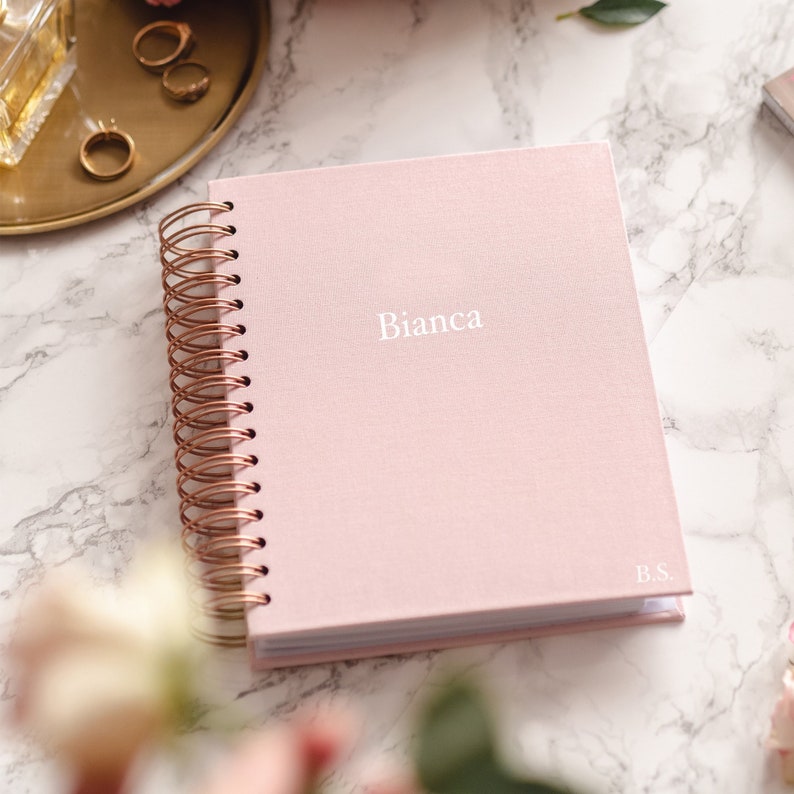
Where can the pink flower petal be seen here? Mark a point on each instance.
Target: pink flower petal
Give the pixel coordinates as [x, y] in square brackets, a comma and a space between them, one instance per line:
[286, 759]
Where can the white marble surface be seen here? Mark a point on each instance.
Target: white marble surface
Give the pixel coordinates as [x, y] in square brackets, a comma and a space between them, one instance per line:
[707, 180]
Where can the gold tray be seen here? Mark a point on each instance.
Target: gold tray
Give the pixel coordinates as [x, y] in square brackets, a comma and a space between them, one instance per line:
[49, 190]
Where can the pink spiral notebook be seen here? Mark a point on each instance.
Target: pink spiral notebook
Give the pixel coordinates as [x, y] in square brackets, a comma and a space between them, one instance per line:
[428, 413]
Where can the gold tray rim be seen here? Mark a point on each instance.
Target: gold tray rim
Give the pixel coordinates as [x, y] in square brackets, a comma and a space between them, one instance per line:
[180, 166]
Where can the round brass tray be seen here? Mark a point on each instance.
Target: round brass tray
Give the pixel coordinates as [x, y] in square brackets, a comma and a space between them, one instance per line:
[49, 190]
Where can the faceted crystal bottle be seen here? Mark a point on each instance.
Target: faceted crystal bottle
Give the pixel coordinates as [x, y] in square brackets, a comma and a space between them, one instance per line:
[37, 59]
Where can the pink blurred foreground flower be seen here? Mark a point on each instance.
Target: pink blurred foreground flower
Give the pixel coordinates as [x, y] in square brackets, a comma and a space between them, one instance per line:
[782, 735]
[102, 673]
[292, 758]
[288, 759]
[167, 3]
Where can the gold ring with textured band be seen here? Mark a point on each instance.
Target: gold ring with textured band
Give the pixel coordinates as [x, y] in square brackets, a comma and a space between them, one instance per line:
[103, 136]
[180, 32]
[191, 91]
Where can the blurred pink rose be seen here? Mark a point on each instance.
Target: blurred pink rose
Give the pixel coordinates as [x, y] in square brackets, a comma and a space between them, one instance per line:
[782, 735]
[168, 3]
[102, 673]
[293, 758]
[288, 759]
[400, 783]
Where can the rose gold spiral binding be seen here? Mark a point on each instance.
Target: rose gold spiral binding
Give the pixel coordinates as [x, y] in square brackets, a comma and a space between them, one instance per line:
[211, 483]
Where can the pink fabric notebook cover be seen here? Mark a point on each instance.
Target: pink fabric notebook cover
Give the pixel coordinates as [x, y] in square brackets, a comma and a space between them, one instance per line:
[507, 455]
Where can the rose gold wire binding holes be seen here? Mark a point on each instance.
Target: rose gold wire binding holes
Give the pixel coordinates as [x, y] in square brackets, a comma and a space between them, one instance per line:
[215, 555]
[183, 293]
[205, 416]
[209, 388]
[196, 339]
[204, 403]
[199, 312]
[231, 604]
[213, 496]
[210, 442]
[227, 577]
[202, 363]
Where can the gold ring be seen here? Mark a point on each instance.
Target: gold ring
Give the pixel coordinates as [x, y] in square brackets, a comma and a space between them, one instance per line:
[104, 135]
[192, 91]
[179, 31]
[3, 10]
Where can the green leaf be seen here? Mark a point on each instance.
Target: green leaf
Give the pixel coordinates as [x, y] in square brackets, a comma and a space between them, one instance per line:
[456, 752]
[455, 738]
[619, 12]
[487, 777]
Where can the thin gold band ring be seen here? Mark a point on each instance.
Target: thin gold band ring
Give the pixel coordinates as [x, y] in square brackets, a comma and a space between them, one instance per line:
[192, 91]
[179, 31]
[99, 138]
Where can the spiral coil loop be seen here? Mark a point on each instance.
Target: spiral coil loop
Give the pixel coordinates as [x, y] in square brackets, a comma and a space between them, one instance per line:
[216, 524]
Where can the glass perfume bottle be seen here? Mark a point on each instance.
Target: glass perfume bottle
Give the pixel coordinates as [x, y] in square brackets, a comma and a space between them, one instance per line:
[37, 59]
